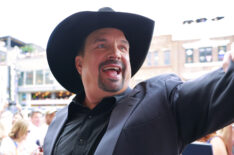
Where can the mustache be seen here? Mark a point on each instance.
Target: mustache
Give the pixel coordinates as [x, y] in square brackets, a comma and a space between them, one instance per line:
[107, 62]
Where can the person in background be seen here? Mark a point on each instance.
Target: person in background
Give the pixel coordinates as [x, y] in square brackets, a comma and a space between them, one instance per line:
[233, 139]
[226, 134]
[7, 112]
[37, 129]
[219, 146]
[49, 115]
[14, 143]
[3, 108]
[2, 132]
[6, 117]
[36, 118]
[17, 116]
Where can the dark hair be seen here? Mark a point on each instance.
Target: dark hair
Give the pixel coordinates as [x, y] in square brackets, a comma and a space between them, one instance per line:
[80, 51]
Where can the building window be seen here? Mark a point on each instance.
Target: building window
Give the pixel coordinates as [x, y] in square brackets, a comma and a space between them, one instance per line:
[205, 54]
[189, 55]
[155, 58]
[22, 97]
[221, 52]
[167, 59]
[48, 77]
[41, 95]
[2, 56]
[51, 95]
[39, 77]
[29, 78]
[21, 79]
[148, 59]
[62, 94]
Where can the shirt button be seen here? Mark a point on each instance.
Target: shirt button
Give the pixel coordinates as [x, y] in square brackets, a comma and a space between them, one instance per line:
[90, 116]
[81, 141]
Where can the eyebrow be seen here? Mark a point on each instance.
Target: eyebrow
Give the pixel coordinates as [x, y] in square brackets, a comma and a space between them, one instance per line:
[125, 42]
[105, 40]
[99, 40]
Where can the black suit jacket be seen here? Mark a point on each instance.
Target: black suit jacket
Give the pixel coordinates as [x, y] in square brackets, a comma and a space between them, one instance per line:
[163, 114]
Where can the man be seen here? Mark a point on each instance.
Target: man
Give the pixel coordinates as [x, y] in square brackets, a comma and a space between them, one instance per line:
[37, 129]
[49, 115]
[94, 55]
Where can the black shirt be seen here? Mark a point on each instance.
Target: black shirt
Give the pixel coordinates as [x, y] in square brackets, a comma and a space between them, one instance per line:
[84, 128]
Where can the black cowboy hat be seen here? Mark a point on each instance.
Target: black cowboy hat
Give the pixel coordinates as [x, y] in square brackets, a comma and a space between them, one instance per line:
[68, 37]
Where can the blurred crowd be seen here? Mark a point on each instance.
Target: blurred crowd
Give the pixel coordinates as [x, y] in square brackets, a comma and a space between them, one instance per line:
[23, 131]
[220, 140]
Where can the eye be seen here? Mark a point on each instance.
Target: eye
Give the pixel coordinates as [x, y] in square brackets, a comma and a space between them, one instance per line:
[100, 45]
[123, 48]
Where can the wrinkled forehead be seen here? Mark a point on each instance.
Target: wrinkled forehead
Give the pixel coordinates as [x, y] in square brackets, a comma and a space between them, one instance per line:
[103, 33]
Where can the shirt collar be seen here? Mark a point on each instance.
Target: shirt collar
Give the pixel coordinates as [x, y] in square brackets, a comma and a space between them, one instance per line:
[76, 106]
[120, 96]
[79, 98]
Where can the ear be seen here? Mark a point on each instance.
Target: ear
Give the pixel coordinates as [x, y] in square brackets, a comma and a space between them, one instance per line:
[78, 63]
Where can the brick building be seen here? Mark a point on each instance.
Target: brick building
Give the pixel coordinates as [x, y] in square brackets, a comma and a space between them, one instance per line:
[195, 49]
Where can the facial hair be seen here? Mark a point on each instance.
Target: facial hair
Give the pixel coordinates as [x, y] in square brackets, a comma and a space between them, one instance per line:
[107, 87]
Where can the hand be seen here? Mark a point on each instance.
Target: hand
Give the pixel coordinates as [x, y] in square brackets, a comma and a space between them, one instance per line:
[38, 151]
[227, 59]
[18, 106]
[5, 106]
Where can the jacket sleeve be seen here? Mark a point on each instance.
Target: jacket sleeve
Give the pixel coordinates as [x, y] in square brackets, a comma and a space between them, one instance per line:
[204, 105]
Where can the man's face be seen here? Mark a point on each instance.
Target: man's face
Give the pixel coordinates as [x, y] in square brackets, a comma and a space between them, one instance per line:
[36, 119]
[105, 63]
[49, 118]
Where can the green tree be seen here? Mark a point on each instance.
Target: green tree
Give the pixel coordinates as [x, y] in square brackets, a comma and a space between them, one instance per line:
[27, 49]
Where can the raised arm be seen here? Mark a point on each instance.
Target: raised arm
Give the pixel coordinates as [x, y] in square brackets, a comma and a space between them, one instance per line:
[206, 104]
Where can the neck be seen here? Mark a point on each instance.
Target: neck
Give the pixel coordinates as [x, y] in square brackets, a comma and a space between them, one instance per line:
[18, 140]
[91, 103]
[93, 99]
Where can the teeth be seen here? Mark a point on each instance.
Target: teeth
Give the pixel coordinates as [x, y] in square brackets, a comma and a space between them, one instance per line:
[111, 68]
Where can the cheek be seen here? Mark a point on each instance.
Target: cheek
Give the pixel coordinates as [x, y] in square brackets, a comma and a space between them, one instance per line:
[127, 63]
[128, 71]
[93, 59]
[90, 69]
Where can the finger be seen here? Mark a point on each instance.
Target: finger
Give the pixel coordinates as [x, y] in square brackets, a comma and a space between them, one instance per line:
[232, 52]
[226, 61]
[232, 55]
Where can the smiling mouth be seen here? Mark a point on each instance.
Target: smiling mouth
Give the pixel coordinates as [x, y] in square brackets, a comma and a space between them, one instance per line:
[112, 69]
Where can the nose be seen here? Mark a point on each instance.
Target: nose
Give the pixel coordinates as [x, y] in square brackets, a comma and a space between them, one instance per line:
[114, 53]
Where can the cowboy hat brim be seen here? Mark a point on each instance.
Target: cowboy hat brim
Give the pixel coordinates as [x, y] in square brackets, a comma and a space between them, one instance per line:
[68, 37]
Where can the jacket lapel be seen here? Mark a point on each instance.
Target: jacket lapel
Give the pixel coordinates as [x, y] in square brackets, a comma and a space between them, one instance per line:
[117, 120]
[53, 133]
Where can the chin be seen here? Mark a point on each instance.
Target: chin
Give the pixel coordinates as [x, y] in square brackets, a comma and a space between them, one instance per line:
[112, 90]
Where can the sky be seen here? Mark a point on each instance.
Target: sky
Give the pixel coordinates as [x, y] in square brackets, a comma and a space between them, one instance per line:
[32, 21]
